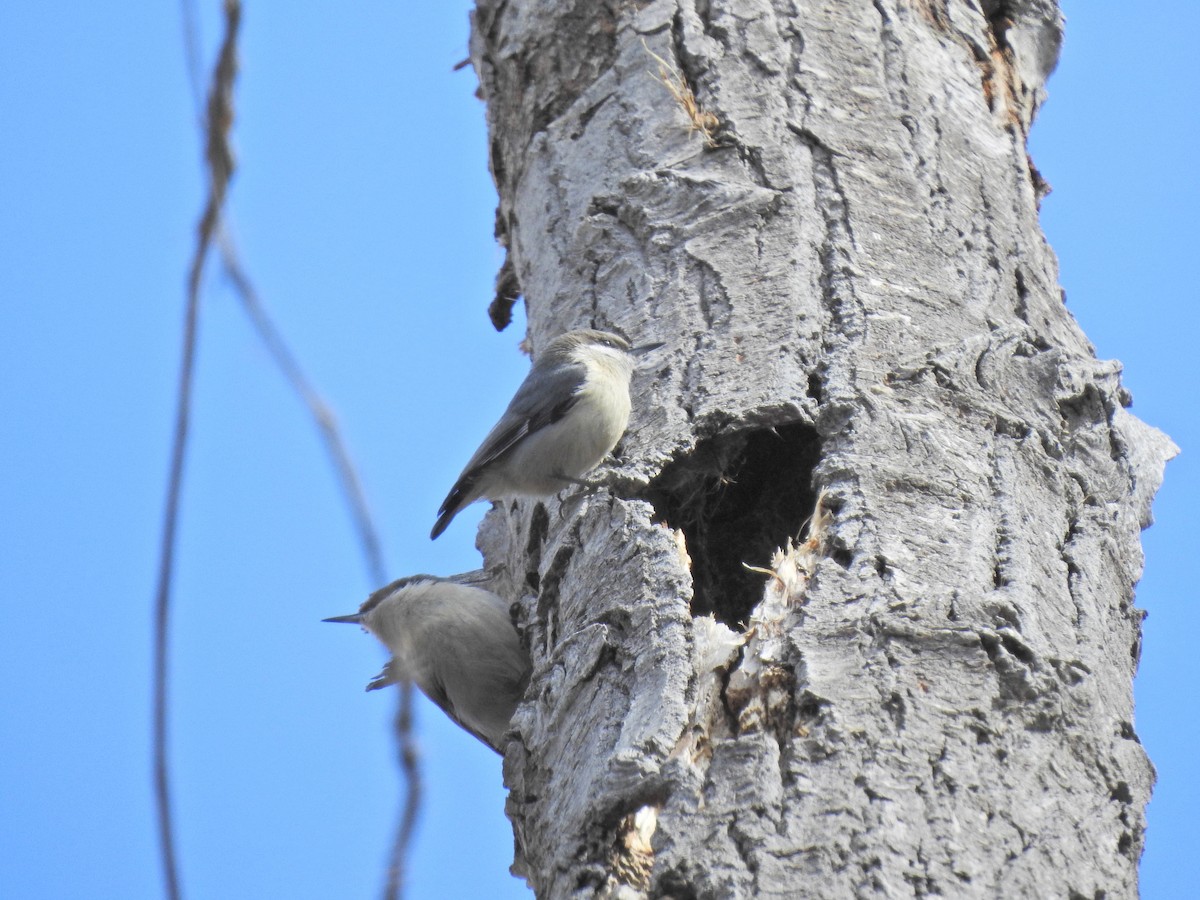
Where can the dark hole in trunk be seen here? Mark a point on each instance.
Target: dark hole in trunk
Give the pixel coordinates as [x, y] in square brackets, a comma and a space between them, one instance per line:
[738, 498]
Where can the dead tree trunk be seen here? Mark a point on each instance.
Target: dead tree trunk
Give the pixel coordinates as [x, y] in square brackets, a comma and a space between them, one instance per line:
[839, 241]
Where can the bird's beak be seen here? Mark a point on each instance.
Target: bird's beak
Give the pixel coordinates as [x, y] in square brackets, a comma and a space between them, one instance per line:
[646, 348]
[352, 619]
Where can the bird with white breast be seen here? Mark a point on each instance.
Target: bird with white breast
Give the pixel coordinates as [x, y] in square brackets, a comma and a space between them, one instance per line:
[567, 415]
[456, 642]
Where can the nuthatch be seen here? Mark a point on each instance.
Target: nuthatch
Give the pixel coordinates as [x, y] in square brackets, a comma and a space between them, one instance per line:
[566, 416]
[457, 642]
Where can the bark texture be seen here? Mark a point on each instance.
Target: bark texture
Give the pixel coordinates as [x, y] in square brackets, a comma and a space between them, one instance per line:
[931, 695]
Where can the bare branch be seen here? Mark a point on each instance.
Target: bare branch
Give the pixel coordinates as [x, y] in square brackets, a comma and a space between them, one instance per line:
[322, 415]
[410, 764]
[191, 47]
[350, 484]
[220, 167]
[368, 535]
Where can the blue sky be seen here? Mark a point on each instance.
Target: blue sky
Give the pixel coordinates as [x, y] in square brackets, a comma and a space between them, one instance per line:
[363, 209]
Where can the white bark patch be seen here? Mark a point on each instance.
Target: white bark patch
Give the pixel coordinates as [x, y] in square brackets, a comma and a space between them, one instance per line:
[856, 270]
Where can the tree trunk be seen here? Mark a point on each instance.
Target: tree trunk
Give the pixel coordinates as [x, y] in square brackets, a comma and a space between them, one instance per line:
[930, 692]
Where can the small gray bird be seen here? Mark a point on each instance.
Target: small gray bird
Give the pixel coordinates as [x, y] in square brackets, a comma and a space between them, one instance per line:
[456, 642]
[566, 416]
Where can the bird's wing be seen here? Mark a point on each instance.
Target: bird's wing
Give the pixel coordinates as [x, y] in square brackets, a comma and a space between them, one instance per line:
[526, 414]
[436, 692]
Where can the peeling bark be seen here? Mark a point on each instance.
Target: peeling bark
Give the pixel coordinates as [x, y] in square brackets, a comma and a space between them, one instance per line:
[931, 692]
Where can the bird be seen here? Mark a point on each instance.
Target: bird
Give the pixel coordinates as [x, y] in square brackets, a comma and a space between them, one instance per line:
[455, 640]
[566, 416]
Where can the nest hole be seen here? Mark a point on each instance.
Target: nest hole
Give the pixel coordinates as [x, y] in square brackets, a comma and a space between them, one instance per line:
[738, 498]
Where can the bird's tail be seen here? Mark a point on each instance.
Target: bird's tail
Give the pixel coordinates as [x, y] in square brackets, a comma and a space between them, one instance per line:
[460, 495]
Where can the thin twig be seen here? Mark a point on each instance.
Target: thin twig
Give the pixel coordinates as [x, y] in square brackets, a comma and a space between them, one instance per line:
[191, 47]
[407, 750]
[351, 487]
[220, 165]
[410, 764]
[322, 415]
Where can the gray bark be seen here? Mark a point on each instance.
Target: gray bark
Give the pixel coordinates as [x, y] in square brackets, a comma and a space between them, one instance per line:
[933, 695]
